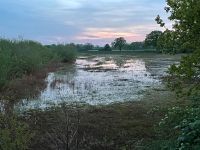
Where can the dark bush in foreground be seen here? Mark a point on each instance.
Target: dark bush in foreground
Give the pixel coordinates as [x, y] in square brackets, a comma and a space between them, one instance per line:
[14, 134]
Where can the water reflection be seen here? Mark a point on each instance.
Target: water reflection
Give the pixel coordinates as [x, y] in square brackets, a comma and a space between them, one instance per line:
[101, 80]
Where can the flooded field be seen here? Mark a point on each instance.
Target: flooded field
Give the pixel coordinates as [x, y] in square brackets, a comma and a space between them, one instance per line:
[103, 79]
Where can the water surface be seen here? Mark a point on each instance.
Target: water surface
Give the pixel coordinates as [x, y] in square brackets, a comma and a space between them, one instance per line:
[103, 79]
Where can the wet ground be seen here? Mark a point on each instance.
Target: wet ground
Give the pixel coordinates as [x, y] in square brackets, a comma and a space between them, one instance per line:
[104, 79]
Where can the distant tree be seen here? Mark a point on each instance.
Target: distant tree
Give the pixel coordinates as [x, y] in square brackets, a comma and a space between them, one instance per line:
[119, 43]
[127, 46]
[137, 45]
[97, 47]
[134, 46]
[152, 38]
[89, 46]
[85, 47]
[107, 48]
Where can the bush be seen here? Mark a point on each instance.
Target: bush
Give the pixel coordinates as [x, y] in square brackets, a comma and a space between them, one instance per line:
[14, 134]
[67, 53]
[182, 125]
[18, 58]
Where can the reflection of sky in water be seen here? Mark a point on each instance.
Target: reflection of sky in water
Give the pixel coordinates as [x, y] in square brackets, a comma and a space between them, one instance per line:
[101, 81]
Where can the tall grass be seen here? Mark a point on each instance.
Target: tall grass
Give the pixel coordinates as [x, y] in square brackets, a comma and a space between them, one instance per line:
[21, 57]
[66, 52]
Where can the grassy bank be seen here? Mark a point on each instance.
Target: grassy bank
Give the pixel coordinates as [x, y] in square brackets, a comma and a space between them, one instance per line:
[113, 127]
[119, 126]
[23, 57]
[119, 52]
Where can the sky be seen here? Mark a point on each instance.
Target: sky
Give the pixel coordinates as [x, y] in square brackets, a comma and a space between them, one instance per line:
[79, 21]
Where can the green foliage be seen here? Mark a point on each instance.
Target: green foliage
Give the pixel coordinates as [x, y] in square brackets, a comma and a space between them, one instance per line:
[180, 123]
[119, 43]
[18, 58]
[166, 42]
[107, 48]
[67, 52]
[152, 38]
[186, 24]
[184, 124]
[135, 46]
[85, 47]
[14, 134]
[185, 78]
[21, 57]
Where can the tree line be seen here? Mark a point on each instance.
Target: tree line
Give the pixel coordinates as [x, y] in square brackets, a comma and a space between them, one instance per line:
[162, 42]
[120, 44]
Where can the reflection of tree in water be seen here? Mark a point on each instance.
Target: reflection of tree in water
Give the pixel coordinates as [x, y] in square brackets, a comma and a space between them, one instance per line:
[158, 67]
[148, 66]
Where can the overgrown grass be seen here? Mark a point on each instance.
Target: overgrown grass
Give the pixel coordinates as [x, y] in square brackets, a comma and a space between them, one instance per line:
[113, 127]
[67, 52]
[179, 129]
[14, 133]
[22, 57]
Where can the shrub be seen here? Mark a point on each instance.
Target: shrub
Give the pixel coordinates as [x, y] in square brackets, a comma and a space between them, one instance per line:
[183, 124]
[18, 58]
[67, 53]
[14, 134]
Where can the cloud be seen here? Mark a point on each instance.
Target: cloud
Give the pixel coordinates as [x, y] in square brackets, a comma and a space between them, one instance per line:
[79, 20]
[103, 33]
[131, 33]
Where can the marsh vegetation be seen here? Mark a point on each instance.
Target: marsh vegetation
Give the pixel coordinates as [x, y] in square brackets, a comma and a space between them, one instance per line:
[52, 97]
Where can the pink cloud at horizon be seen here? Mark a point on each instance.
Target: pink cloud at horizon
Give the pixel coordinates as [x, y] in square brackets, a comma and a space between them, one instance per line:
[107, 35]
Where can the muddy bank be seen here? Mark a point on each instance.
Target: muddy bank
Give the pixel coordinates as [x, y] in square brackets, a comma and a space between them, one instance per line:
[29, 85]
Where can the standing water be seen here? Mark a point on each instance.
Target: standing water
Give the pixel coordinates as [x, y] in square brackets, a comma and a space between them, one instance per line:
[103, 79]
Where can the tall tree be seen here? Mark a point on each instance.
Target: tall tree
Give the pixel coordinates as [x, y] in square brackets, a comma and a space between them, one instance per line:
[119, 43]
[185, 15]
[167, 43]
[152, 38]
[184, 78]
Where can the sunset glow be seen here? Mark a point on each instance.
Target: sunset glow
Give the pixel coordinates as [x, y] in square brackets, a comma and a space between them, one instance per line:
[79, 21]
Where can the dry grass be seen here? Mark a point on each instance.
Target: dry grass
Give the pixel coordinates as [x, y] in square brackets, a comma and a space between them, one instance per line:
[28, 86]
[113, 127]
